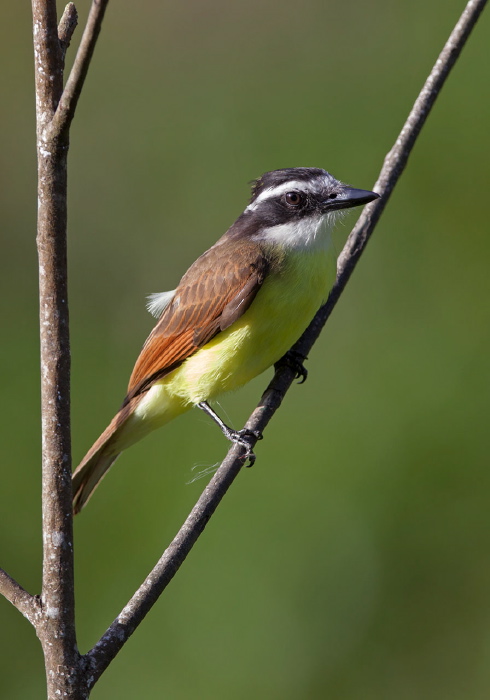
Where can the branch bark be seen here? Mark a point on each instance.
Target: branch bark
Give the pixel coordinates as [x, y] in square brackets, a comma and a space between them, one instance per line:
[145, 597]
[26, 603]
[66, 27]
[55, 625]
[69, 99]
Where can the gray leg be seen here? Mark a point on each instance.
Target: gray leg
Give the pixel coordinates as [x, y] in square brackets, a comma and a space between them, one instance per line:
[243, 437]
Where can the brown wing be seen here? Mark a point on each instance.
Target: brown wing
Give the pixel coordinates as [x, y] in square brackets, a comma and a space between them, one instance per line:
[215, 291]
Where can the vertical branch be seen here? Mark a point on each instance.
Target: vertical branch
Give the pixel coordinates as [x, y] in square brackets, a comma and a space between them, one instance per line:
[55, 109]
[57, 631]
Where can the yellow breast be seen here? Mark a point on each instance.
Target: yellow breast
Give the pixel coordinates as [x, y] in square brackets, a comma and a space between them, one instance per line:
[281, 311]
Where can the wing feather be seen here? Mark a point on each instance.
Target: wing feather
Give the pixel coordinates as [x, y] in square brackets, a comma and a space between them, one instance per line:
[216, 290]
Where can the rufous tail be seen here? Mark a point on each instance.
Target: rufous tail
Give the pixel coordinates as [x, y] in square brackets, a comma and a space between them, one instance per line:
[96, 463]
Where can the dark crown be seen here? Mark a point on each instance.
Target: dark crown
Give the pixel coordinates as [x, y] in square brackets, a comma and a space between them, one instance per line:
[277, 177]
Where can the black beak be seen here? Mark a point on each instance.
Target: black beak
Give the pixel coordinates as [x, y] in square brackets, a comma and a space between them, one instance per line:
[349, 197]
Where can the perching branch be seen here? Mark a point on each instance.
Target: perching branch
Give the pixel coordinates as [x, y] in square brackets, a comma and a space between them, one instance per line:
[145, 597]
[393, 166]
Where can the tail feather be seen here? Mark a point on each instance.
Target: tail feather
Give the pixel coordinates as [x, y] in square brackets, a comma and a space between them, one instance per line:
[99, 459]
[88, 476]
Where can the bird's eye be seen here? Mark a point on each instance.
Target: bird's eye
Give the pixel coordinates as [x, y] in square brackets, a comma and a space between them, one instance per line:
[293, 199]
[333, 195]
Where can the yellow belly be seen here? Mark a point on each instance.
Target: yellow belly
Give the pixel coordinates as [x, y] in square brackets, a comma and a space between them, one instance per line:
[277, 317]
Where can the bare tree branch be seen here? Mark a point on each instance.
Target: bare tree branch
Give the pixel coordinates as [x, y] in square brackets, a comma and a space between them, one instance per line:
[145, 597]
[55, 620]
[26, 603]
[56, 627]
[69, 99]
[394, 164]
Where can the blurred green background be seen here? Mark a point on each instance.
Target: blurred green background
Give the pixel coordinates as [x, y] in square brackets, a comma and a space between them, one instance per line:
[353, 561]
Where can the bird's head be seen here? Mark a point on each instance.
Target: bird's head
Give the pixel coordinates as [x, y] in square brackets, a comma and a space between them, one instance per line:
[292, 205]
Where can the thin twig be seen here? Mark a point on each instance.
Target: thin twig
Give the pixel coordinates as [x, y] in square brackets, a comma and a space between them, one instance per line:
[66, 27]
[69, 99]
[26, 603]
[393, 166]
[133, 613]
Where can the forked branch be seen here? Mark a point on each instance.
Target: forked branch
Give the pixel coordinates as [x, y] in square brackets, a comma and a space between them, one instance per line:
[54, 617]
[68, 103]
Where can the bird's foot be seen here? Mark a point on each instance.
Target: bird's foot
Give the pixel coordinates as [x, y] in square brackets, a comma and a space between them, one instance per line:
[247, 439]
[294, 360]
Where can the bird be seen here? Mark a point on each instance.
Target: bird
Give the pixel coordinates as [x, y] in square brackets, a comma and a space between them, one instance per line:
[236, 312]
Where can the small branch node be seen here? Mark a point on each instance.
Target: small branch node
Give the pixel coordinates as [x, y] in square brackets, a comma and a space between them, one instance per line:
[25, 603]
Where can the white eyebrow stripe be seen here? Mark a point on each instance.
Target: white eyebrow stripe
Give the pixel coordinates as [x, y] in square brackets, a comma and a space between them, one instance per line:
[303, 185]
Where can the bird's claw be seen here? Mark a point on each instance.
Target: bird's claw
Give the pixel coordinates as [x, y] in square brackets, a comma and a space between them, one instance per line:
[294, 360]
[245, 437]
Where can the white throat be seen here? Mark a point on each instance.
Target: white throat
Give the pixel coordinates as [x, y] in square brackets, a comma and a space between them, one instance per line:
[307, 234]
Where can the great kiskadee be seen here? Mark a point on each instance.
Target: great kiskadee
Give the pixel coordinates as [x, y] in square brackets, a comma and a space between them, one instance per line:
[236, 311]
